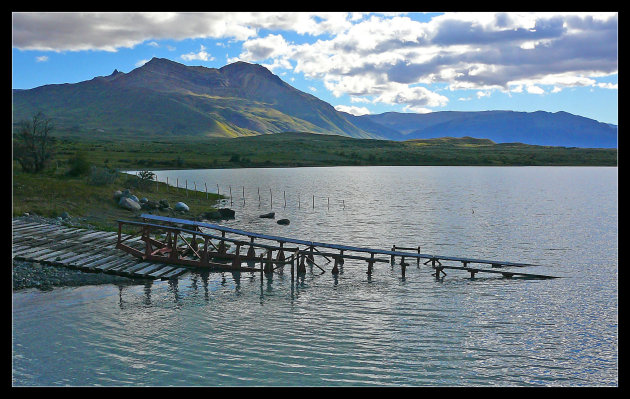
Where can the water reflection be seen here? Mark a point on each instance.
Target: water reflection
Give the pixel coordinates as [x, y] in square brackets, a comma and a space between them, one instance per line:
[315, 330]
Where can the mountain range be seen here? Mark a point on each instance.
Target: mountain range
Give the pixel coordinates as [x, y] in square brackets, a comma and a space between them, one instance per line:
[163, 97]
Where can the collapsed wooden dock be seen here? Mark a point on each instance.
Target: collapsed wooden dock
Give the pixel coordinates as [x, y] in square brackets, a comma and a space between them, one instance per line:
[197, 245]
[170, 248]
[86, 250]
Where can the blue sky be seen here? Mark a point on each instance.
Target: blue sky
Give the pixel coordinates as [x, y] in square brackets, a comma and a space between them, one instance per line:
[358, 62]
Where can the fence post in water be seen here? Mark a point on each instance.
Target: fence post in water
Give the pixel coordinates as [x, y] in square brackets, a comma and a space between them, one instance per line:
[284, 194]
[270, 198]
[313, 201]
[370, 264]
[230, 195]
[186, 188]
[301, 266]
[167, 183]
[156, 183]
[218, 193]
[204, 183]
[418, 258]
[344, 204]
[392, 257]
[195, 183]
[293, 264]
[328, 202]
[243, 195]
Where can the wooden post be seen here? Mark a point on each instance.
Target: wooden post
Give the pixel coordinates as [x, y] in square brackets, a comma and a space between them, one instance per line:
[403, 267]
[392, 257]
[186, 188]
[258, 196]
[195, 183]
[204, 183]
[243, 195]
[230, 195]
[174, 254]
[335, 269]
[298, 200]
[236, 262]
[418, 258]
[284, 194]
[344, 204]
[269, 264]
[301, 267]
[156, 184]
[251, 252]
[204, 257]
[218, 193]
[370, 264]
[270, 198]
[167, 183]
[222, 249]
[313, 201]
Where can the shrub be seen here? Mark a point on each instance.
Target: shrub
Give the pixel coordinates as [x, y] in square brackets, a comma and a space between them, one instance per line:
[101, 176]
[79, 164]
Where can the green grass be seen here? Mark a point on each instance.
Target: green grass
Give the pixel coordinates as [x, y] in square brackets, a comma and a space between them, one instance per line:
[51, 192]
[304, 149]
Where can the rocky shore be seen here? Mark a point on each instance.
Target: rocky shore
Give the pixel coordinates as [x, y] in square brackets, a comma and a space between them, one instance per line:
[45, 277]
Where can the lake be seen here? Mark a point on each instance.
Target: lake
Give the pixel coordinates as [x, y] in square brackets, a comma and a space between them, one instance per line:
[218, 329]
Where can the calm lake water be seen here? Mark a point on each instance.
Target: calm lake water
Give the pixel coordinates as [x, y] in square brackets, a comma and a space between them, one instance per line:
[218, 329]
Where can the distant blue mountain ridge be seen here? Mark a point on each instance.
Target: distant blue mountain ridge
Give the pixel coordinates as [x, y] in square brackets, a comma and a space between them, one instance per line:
[166, 98]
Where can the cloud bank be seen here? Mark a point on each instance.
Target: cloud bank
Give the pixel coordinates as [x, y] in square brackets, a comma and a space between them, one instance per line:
[379, 58]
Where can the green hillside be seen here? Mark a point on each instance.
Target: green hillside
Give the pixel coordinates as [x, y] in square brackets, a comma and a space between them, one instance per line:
[307, 149]
[165, 98]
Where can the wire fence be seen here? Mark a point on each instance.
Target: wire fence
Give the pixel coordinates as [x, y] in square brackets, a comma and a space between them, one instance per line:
[249, 195]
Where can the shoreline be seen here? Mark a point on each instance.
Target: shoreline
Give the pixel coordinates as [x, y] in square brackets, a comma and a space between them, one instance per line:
[44, 277]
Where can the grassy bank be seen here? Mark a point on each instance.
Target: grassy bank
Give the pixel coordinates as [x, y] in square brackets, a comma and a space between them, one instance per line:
[52, 192]
[304, 149]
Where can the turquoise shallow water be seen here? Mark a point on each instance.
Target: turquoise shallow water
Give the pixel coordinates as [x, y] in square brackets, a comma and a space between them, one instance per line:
[224, 329]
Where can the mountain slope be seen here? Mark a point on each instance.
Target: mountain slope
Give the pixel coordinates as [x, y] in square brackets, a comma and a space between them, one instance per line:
[165, 97]
[537, 128]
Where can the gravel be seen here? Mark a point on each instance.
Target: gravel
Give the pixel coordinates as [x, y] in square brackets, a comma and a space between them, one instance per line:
[45, 277]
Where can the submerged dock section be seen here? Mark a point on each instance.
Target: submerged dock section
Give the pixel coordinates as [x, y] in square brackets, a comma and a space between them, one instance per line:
[194, 244]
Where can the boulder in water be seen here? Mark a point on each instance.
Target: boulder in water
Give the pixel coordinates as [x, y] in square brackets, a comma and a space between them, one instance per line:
[270, 215]
[283, 221]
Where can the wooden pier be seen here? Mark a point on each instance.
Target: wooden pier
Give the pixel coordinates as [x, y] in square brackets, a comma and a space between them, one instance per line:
[198, 245]
[168, 248]
[86, 250]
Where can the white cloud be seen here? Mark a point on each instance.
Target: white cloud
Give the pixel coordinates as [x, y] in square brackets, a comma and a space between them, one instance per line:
[352, 109]
[481, 94]
[141, 62]
[153, 44]
[311, 88]
[384, 56]
[202, 55]
[608, 86]
[535, 90]
[41, 58]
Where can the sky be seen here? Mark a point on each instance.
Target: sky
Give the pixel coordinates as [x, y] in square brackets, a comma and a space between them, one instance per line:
[361, 63]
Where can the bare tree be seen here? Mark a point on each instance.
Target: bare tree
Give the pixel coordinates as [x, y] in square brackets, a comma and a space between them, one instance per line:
[33, 145]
